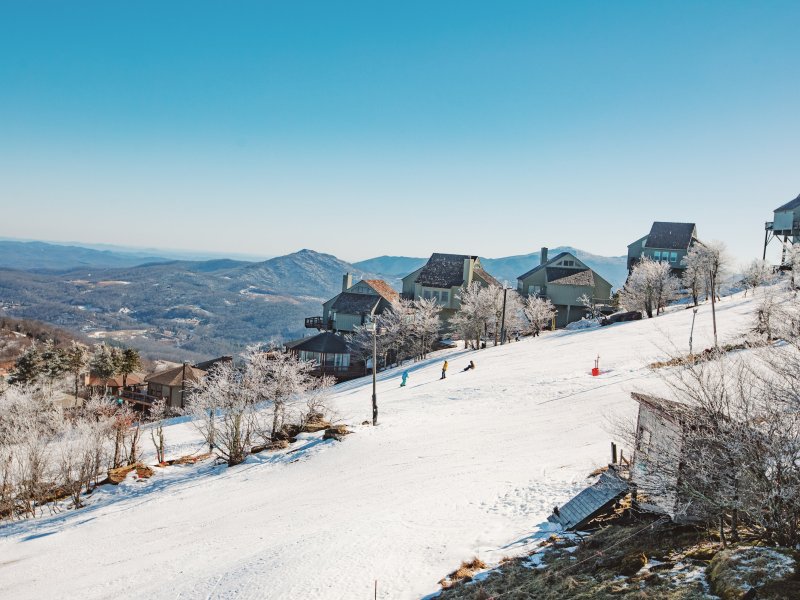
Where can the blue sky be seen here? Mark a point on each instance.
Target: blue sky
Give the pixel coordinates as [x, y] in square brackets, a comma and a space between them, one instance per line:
[368, 128]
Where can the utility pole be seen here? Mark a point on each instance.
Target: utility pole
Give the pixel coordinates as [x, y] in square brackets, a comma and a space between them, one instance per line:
[691, 333]
[183, 384]
[374, 374]
[503, 326]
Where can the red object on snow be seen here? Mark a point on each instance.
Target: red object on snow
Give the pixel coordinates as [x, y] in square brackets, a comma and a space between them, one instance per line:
[596, 368]
[595, 372]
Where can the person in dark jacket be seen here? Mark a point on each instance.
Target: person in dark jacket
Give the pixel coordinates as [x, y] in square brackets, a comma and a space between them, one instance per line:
[471, 365]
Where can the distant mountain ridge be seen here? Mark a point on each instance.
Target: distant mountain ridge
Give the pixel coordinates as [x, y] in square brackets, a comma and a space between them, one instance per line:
[35, 256]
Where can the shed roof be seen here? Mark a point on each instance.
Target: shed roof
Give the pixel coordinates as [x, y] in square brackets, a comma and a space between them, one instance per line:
[608, 488]
[582, 277]
[355, 304]
[443, 270]
[384, 289]
[664, 234]
[207, 364]
[676, 412]
[791, 205]
[322, 343]
[175, 376]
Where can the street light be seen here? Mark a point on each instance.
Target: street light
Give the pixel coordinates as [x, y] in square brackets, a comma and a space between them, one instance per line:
[372, 326]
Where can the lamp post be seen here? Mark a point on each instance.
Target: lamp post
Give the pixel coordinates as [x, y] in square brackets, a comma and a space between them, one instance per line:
[373, 327]
[503, 326]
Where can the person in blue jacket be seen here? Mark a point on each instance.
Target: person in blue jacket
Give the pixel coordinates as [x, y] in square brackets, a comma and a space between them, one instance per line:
[405, 378]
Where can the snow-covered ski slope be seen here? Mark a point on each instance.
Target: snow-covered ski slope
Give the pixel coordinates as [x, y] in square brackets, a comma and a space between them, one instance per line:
[471, 465]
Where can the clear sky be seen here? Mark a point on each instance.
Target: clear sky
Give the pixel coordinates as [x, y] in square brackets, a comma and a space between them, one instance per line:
[369, 128]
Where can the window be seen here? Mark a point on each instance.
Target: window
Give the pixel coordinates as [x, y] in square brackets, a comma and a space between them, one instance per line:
[673, 257]
[569, 263]
[426, 294]
[445, 297]
[436, 296]
[657, 255]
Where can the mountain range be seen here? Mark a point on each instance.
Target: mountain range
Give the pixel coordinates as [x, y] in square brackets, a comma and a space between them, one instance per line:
[181, 309]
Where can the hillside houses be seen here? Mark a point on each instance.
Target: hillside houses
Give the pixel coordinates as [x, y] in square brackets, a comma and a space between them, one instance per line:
[667, 242]
[563, 279]
[442, 277]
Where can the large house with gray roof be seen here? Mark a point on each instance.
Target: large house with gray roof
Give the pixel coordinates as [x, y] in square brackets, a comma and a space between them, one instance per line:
[785, 225]
[668, 242]
[442, 277]
[563, 279]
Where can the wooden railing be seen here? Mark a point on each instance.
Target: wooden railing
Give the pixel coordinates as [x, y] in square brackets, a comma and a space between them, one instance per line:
[138, 398]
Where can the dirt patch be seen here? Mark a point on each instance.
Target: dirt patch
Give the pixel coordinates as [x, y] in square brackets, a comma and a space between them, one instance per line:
[190, 459]
[754, 572]
[464, 573]
[337, 432]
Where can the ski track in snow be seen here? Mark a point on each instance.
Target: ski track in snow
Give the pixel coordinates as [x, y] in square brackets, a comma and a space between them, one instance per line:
[468, 466]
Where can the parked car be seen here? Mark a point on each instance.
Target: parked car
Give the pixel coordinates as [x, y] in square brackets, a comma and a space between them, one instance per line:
[633, 315]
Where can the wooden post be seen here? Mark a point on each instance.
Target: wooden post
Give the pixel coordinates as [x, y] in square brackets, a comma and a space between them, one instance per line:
[613, 453]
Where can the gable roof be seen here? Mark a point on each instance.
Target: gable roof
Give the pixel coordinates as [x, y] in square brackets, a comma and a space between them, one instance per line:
[174, 377]
[481, 274]
[574, 277]
[443, 270]
[355, 304]
[544, 265]
[664, 234]
[673, 411]
[207, 364]
[383, 289]
[792, 204]
[116, 380]
[322, 343]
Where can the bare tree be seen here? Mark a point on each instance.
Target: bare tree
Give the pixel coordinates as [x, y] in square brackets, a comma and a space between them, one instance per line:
[588, 302]
[158, 412]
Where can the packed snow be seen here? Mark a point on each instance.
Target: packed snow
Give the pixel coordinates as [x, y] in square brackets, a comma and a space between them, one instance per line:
[462, 467]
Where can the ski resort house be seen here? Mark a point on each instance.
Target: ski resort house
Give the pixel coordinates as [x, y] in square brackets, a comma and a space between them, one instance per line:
[785, 225]
[563, 279]
[442, 277]
[172, 384]
[354, 306]
[667, 242]
[330, 352]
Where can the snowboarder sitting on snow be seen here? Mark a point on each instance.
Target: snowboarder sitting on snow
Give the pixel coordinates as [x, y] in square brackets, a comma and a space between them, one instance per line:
[405, 378]
[471, 365]
[444, 369]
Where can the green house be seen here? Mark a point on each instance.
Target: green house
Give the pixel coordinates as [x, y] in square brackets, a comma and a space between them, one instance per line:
[667, 242]
[563, 279]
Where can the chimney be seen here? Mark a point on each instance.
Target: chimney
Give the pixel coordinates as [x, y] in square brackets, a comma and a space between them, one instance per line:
[467, 270]
[543, 258]
[347, 282]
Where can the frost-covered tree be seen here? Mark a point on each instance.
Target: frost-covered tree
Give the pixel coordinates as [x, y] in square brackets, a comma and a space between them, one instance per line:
[158, 412]
[224, 410]
[756, 273]
[694, 272]
[791, 258]
[475, 313]
[592, 309]
[539, 312]
[650, 287]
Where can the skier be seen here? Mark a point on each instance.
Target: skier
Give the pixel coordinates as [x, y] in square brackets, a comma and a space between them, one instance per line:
[405, 378]
[444, 369]
[471, 365]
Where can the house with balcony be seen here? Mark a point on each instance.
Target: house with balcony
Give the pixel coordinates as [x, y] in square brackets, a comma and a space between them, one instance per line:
[667, 241]
[355, 305]
[564, 279]
[785, 226]
[442, 277]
